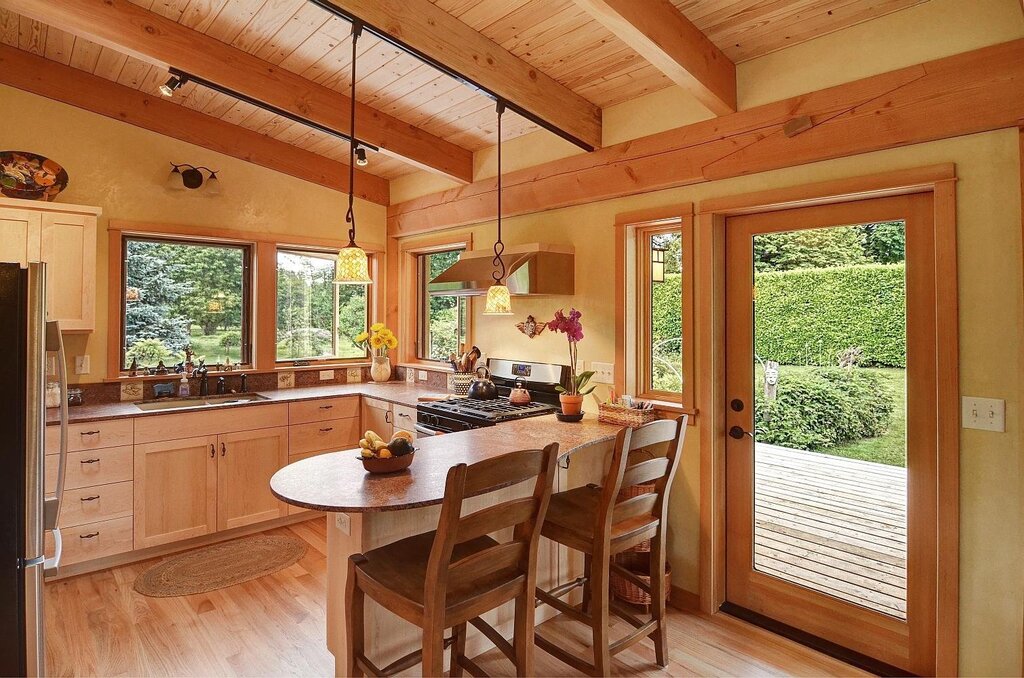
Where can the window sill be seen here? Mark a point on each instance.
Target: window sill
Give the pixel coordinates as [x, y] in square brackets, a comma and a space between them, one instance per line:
[173, 375]
[431, 366]
[321, 366]
[672, 407]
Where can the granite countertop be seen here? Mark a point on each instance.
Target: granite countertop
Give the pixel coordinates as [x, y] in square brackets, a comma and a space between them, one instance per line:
[337, 482]
[398, 392]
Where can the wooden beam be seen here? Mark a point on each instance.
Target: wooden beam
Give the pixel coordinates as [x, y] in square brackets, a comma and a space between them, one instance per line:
[426, 28]
[972, 92]
[71, 86]
[659, 32]
[128, 28]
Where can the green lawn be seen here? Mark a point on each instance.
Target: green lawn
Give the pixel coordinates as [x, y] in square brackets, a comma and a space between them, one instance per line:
[208, 346]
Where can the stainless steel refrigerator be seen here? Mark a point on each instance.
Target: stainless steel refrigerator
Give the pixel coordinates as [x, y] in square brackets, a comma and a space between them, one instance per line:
[27, 341]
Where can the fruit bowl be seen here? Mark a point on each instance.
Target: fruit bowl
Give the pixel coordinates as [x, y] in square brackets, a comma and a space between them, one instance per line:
[387, 464]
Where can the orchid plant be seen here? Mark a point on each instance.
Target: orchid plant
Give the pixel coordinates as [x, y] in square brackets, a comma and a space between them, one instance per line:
[572, 328]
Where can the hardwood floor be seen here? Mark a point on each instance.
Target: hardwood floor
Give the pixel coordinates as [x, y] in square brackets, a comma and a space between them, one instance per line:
[96, 624]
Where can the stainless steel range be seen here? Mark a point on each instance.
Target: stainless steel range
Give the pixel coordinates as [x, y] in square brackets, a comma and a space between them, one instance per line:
[460, 414]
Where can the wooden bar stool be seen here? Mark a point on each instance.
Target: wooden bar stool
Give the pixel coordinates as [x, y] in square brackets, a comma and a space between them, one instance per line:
[595, 521]
[446, 578]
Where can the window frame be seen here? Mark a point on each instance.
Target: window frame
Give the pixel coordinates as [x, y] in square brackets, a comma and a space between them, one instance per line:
[422, 302]
[370, 308]
[247, 357]
[633, 291]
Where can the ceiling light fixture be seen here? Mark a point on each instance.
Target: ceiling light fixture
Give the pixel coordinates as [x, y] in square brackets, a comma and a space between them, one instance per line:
[499, 301]
[174, 82]
[352, 267]
[361, 157]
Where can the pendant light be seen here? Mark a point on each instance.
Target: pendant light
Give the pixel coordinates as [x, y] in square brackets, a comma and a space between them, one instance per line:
[352, 267]
[499, 301]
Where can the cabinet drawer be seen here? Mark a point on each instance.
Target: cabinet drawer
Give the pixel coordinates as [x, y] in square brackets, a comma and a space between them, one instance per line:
[310, 411]
[93, 540]
[91, 435]
[324, 436]
[91, 467]
[405, 419]
[92, 504]
[210, 422]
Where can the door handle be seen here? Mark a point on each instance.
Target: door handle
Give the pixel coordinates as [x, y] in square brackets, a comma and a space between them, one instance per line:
[737, 433]
[223, 449]
[213, 451]
[387, 416]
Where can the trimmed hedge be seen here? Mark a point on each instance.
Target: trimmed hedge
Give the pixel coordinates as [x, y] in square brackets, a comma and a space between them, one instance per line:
[819, 408]
[807, 316]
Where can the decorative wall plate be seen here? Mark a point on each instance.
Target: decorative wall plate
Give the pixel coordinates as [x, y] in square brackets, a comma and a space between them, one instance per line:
[30, 176]
[530, 327]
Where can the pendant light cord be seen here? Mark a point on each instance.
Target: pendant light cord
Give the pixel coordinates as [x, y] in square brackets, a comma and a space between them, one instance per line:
[499, 246]
[350, 216]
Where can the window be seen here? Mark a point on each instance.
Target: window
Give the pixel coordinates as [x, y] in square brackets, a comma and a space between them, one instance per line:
[316, 319]
[442, 317]
[663, 334]
[180, 296]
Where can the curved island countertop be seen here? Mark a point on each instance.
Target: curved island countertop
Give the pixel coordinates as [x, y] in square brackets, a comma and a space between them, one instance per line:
[337, 481]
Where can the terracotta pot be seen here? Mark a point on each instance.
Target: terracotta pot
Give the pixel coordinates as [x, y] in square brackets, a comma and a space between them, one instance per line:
[571, 404]
[380, 370]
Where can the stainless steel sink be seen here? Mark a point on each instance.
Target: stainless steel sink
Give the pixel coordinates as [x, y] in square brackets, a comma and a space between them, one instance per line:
[206, 401]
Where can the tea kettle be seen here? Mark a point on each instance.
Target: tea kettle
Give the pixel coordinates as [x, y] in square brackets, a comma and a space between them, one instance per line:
[519, 395]
[482, 387]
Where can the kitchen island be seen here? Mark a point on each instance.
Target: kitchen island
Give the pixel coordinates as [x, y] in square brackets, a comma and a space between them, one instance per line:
[371, 511]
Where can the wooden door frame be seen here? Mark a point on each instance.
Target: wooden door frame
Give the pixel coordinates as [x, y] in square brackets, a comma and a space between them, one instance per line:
[709, 245]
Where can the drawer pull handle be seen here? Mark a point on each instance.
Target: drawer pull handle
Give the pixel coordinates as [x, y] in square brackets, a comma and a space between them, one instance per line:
[213, 451]
[89, 536]
[325, 430]
[89, 461]
[223, 449]
[403, 414]
[88, 433]
[327, 407]
[92, 498]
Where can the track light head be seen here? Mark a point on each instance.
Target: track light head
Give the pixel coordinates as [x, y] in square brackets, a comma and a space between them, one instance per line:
[361, 157]
[173, 83]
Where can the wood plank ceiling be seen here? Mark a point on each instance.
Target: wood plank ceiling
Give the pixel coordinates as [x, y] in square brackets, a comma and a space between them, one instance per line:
[554, 36]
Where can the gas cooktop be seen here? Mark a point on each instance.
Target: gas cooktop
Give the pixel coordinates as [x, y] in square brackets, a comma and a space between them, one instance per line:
[497, 410]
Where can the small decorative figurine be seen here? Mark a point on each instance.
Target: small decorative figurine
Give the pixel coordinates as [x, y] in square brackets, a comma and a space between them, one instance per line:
[161, 368]
[530, 327]
[189, 354]
[133, 369]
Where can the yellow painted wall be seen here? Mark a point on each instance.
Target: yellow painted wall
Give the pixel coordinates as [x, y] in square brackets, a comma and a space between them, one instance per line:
[122, 169]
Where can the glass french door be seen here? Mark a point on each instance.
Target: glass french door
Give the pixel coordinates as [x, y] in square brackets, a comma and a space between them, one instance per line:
[831, 422]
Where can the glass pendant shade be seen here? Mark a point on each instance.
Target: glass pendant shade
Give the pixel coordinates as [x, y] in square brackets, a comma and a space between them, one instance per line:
[352, 267]
[499, 301]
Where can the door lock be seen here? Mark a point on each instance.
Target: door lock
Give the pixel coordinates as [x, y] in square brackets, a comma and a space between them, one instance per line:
[736, 405]
[737, 433]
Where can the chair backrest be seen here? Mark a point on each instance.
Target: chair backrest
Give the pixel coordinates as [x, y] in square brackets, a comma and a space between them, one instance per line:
[524, 515]
[657, 472]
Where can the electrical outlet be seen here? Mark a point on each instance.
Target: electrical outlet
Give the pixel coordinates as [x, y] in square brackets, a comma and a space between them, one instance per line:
[410, 376]
[986, 414]
[82, 364]
[343, 522]
[286, 380]
[604, 373]
[421, 375]
[326, 375]
[354, 375]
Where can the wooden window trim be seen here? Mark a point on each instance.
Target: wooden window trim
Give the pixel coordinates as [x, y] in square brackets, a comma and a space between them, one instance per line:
[264, 286]
[632, 351]
[402, 264]
[709, 236]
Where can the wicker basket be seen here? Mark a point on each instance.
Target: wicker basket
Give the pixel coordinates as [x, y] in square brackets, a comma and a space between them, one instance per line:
[640, 565]
[625, 416]
[628, 493]
[458, 382]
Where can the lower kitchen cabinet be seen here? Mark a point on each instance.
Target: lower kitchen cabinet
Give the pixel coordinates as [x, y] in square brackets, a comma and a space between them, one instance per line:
[175, 490]
[377, 417]
[245, 464]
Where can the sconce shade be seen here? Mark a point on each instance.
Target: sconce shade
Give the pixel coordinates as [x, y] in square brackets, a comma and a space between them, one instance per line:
[175, 181]
[213, 185]
[352, 267]
[499, 301]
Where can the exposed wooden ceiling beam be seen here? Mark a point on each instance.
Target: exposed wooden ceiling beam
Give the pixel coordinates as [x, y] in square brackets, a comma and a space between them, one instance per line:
[423, 27]
[964, 94]
[146, 35]
[90, 92]
[660, 33]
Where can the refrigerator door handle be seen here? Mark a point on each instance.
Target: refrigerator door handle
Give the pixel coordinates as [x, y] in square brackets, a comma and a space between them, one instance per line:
[51, 564]
[52, 505]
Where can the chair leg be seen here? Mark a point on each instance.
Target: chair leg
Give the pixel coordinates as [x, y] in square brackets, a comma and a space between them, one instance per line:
[522, 640]
[433, 650]
[586, 583]
[660, 634]
[354, 598]
[599, 616]
[458, 649]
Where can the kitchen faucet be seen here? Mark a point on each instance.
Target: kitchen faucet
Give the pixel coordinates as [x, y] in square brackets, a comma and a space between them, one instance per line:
[204, 384]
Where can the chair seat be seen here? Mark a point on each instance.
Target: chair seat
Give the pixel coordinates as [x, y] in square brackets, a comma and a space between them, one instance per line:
[572, 517]
[395, 576]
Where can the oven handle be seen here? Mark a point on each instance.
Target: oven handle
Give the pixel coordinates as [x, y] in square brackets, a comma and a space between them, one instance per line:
[427, 431]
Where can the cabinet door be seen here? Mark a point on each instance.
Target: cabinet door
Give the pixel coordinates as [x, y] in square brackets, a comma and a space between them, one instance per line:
[68, 244]
[175, 490]
[19, 235]
[377, 417]
[246, 461]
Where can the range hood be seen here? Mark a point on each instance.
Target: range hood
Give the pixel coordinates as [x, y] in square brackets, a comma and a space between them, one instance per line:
[533, 268]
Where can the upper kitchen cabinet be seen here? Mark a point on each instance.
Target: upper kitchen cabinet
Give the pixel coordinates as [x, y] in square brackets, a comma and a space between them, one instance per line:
[63, 236]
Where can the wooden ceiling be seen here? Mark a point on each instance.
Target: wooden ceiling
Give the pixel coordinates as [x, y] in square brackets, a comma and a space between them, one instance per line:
[556, 37]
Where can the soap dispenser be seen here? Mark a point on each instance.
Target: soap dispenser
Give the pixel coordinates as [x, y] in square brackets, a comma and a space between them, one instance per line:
[183, 387]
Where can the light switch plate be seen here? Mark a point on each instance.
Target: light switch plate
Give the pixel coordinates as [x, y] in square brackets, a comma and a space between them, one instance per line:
[131, 390]
[986, 414]
[354, 375]
[421, 375]
[82, 365]
[343, 522]
[326, 375]
[604, 373]
[285, 379]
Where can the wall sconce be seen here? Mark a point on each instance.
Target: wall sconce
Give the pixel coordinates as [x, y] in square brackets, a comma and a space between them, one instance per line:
[188, 176]
[657, 265]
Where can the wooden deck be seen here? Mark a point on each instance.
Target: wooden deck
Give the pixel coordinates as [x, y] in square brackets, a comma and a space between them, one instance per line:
[834, 525]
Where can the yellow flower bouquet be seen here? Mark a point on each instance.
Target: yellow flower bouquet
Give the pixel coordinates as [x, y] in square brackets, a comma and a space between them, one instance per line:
[378, 340]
